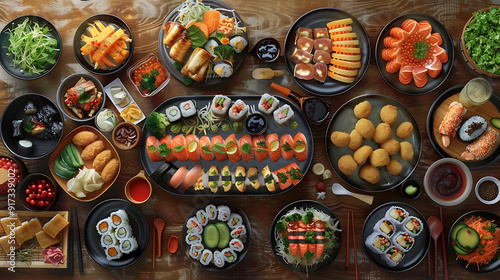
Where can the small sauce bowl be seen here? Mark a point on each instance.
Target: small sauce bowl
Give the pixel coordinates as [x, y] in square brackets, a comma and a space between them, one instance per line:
[129, 129]
[256, 124]
[267, 50]
[408, 184]
[138, 189]
[495, 182]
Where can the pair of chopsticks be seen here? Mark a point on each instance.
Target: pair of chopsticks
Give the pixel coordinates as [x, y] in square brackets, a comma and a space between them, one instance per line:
[78, 242]
[445, 265]
[154, 246]
[349, 213]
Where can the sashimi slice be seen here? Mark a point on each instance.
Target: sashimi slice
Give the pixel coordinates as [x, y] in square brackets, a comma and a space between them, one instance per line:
[433, 66]
[440, 53]
[391, 42]
[191, 178]
[411, 26]
[166, 149]
[178, 177]
[282, 178]
[425, 29]
[232, 148]
[260, 147]
[390, 53]
[300, 146]
[294, 172]
[246, 150]
[219, 148]
[419, 76]
[193, 150]
[273, 146]
[152, 148]
[286, 144]
[394, 65]
[435, 39]
[179, 147]
[405, 74]
[205, 146]
[400, 33]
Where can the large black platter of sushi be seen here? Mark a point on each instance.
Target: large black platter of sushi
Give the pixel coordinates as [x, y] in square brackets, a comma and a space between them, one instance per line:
[412, 256]
[486, 111]
[137, 223]
[169, 175]
[344, 120]
[214, 38]
[318, 19]
[31, 126]
[234, 235]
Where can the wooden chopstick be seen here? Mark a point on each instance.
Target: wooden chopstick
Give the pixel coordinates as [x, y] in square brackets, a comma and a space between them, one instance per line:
[154, 243]
[354, 245]
[347, 246]
[72, 242]
[444, 246]
[78, 243]
[429, 262]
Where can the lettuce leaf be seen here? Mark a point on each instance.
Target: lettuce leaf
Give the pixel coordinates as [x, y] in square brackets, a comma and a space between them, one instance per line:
[197, 36]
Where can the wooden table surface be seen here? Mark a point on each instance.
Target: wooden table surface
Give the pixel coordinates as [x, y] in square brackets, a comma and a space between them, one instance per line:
[264, 19]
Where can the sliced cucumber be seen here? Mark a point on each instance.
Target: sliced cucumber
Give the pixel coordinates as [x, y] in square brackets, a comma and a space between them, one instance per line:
[468, 238]
[495, 122]
[223, 234]
[211, 236]
[66, 154]
[63, 171]
[76, 155]
[453, 234]
[459, 250]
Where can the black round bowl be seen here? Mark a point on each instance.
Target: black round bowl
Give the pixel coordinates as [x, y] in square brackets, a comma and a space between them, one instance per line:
[21, 191]
[411, 183]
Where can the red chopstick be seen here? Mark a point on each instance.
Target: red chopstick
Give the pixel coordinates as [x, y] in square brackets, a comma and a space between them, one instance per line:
[354, 245]
[444, 246]
[347, 246]
[154, 251]
[429, 262]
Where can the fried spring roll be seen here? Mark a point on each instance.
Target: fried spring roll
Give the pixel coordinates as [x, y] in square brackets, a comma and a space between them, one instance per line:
[173, 31]
[180, 48]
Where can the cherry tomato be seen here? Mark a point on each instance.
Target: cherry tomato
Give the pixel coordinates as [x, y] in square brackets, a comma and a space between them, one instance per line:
[50, 194]
[50, 190]
[32, 202]
[43, 182]
[31, 196]
[33, 187]
[47, 203]
[27, 191]
[41, 203]
[38, 196]
[320, 186]
[43, 194]
[28, 199]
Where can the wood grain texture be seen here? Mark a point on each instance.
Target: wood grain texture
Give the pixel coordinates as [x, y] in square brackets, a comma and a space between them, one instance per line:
[264, 19]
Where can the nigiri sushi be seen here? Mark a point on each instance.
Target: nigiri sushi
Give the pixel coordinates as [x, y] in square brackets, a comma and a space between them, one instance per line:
[253, 177]
[178, 177]
[246, 150]
[152, 148]
[268, 179]
[166, 148]
[232, 148]
[273, 146]
[218, 147]
[286, 144]
[240, 176]
[227, 181]
[260, 147]
[213, 178]
[482, 146]
[191, 178]
[300, 146]
[192, 147]
[179, 147]
[205, 146]
[282, 177]
[294, 172]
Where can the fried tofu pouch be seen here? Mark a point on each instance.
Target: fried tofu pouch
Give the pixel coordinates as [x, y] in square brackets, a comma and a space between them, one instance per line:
[84, 138]
[101, 159]
[109, 171]
[92, 150]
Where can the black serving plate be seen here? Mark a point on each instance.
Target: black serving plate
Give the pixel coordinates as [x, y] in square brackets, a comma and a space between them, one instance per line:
[393, 79]
[234, 209]
[203, 100]
[492, 158]
[15, 111]
[6, 61]
[494, 264]
[239, 58]
[318, 19]
[344, 120]
[421, 241]
[140, 230]
[306, 204]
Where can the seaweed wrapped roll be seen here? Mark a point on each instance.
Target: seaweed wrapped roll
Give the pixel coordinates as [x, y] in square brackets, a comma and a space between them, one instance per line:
[238, 43]
[223, 68]
[188, 108]
[30, 108]
[173, 113]
[17, 128]
[283, 115]
[220, 106]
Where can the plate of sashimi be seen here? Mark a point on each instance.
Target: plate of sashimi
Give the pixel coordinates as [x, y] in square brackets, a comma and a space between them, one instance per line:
[228, 145]
[414, 53]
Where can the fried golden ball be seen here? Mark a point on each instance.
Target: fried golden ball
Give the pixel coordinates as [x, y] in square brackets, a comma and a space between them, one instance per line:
[347, 165]
[369, 173]
[361, 155]
[84, 138]
[109, 171]
[356, 140]
[91, 151]
[379, 157]
[366, 128]
[391, 146]
[101, 159]
[382, 132]
[363, 110]
[404, 130]
[394, 167]
[389, 114]
[340, 139]
[406, 151]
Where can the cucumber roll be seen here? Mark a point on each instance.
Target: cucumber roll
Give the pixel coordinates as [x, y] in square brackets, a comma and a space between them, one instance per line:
[283, 115]
[188, 108]
[173, 113]
[113, 252]
[128, 245]
[206, 257]
[268, 104]
[220, 106]
[195, 250]
[235, 220]
[236, 245]
[192, 238]
[108, 239]
[123, 232]
[238, 111]
[229, 255]
[224, 213]
[211, 211]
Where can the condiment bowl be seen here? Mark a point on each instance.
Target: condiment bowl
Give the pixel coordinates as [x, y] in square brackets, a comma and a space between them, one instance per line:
[27, 182]
[466, 177]
[488, 179]
[122, 130]
[262, 44]
[146, 59]
[409, 183]
[252, 128]
[139, 177]
[104, 111]
[11, 182]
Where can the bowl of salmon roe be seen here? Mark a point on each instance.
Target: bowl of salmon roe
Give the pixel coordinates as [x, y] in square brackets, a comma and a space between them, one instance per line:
[12, 171]
[148, 75]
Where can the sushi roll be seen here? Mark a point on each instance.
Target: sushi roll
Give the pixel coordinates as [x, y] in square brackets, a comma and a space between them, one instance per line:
[218, 259]
[404, 241]
[283, 115]
[206, 257]
[188, 108]
[229, 255]
[119, 218]
[25, 146]
[30, 108]
[267, 104]
[128, 245]
[123, 232]
[393, 256]
[253, 177]
[223, 68]
[236, 245]
[211, 211]
[104, 226]
[17, 128]
[385, 226]
[397, 214]
[113, 252]
[210, 46]
[195, 250]
[413, 226]
[202, 218]
[194, 226]
[224, 213]
[108, 239]
[238, 43]
[227, 181]
[220, 106]
[234, 220]
[238, 111]
[213, 178]
[192, 238]
[238, 231]
[240, 177]
[472, 128]
[379, 243]
[173, 113]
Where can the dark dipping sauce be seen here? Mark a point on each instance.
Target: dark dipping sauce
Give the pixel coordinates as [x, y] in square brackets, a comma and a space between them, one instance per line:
[315, 109]
[488, 190]
[447, 181]
[256, 124]
[268, 50]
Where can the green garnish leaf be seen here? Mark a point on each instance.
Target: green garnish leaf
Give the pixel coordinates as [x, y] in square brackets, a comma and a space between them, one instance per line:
[178, 66]
[187, 80]
[492, 228]
[421, 48]
[178, 148]
[308, 256]
[286, 147]
[224, 51]
[295, 174]
[197, 36]
[310, 236]
[84, 97]
[246, 148]
[328, 233]
[282, 177]
[219, 148]
[206, 150]
[281, 226]
[219, 35]
[164, 150]
[28, 127]
[148, 82]
[307, 217]
[293, 218]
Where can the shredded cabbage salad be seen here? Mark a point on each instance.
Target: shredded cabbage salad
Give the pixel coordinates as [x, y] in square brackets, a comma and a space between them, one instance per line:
[194, 10]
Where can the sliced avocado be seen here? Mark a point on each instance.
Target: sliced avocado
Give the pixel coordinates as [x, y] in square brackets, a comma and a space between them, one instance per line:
[211, 236]
[468, 238]
[223, 234]
[495, 122]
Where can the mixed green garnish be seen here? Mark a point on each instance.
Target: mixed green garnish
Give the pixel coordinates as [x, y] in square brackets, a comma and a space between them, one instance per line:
[26, 255]
[148, 81]
[420, 51]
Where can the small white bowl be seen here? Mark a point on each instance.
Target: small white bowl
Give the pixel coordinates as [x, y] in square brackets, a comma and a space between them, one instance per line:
[497, 183]
[467, 177]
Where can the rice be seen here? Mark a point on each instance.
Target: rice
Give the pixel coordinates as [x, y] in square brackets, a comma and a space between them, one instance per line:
[173, 113]
[128, 245]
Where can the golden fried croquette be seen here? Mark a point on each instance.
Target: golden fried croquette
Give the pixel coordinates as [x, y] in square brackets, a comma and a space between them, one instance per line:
[84, 138]
[92, 150]
[361, 155]
[406, 151]
[356, 140]
[369, 173]
[404, 130]
[382, 132]
[340, 139]
[394, 167]
[347, 165]
[109, 171]
[363, 110]
[391, 146]
[366, 128]
[389, 114]
[101, 159]
[379, 157]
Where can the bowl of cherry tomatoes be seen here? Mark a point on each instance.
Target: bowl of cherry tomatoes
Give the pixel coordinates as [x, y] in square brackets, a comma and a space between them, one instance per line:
[38, 192]
[12, 171]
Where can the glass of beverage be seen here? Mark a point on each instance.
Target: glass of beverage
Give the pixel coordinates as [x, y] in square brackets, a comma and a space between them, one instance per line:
[476, 92]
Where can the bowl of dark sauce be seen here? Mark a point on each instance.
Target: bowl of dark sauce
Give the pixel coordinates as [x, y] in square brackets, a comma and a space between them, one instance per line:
[266, 50]
[256, 124]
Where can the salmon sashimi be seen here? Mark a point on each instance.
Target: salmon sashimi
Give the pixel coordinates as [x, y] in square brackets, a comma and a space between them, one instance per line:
[286, 144]
[433, 66]
[320, 237]
[166, 148]
[191, 178]
[400, 33]
[246, 150]
[293, 171]
[260, 147]
[193, 150]
[282, 177]
[178, 177]
[435, 39]
[390, 53]
[440, 53]
[179, 147]
[425, 29]
[219, 148]
[232, 148]
[394, 65]
[152, 148]
[391, 42]
[411, 26]
[205, 146]
[451, 122]
[273, 146]
[300, 146]
[419, 75]
[302, 229]
[405, 74]
[291, 228]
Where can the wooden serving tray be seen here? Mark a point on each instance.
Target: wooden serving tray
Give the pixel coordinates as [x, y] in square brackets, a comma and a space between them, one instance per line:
[88, 163]
[37, 261]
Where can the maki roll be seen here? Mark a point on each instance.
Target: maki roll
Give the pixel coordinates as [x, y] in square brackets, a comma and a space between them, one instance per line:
[378, 242]
[25, 146]
[17, 128]
[113, 252]
[283, 115]
[404, 240]
[238, 231]
[220, 106]
[413, 226]
[123, 232]
[235, 220]
[385, 226]
[206, 257]
[224, 213]
[211, 211]
[173, 113]
[188, 108]
[229, 255]
[223, 68]
[394, 256]
[238, 111]
[30, 108]
[107, 240]
[195, 250]
[128, 245]
[267, 104]
[210, 45]
[397, 213]
[218, 259]
[194, 226]
[192, 238]
[236, 245]
[472, 128]
[238, 43]
[104, 226]
[202, 218]
[119, 218]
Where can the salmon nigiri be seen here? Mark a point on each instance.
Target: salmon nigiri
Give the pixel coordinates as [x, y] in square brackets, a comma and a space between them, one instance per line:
[232, 149]
[192, 147]
[300, 146]
[284, 180]
[246, 150]
[191, 178]
[260, 147]
[303, 247]
[152, 147]
[206, 148]
[294, 172]
[179, 147]
[178, 177]
[311, 227]
[219, 148]
[286, 144]
[273, 146]
[166, 148]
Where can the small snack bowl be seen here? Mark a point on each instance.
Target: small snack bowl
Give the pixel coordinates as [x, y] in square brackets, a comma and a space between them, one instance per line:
[105, 120]
[256, 124]
[173, 244]
[12, 172]
[488, 190]
[126, 136]
[138, 189]
[267, 50]
[411, 189]
[145, 66]
[38, 189]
